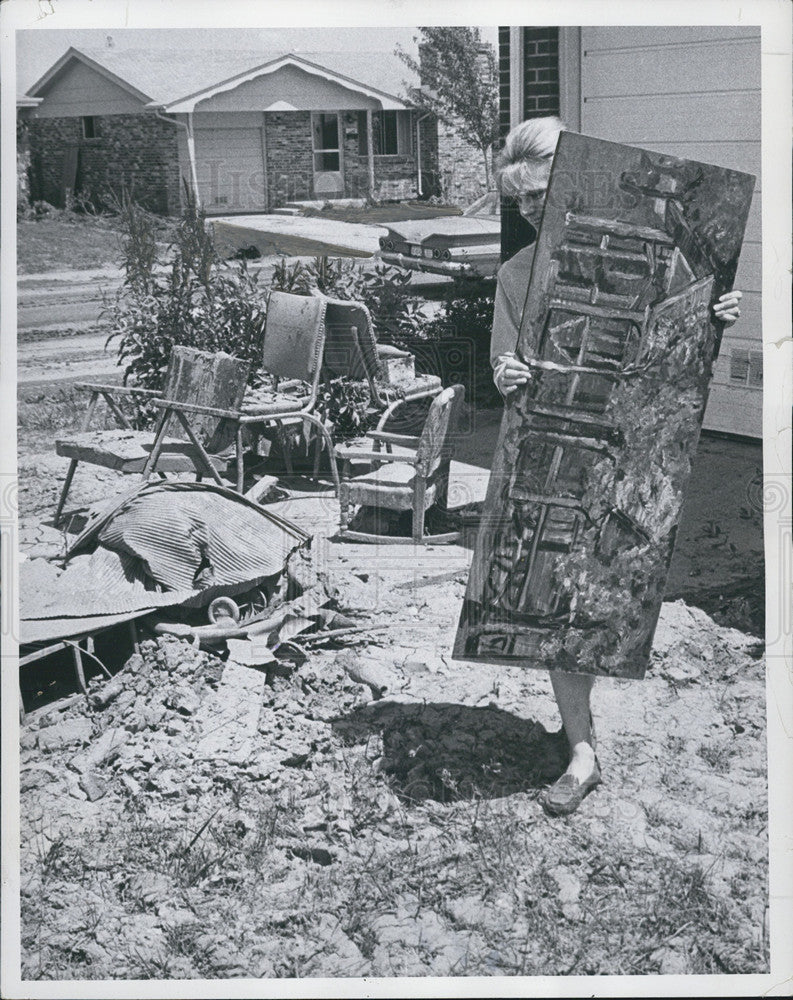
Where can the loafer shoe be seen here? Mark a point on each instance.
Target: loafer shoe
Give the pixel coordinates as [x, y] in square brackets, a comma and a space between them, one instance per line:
[566, 795]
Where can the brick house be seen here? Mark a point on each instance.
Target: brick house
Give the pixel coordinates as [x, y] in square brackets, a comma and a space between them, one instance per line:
[247, 131]
[690, 91]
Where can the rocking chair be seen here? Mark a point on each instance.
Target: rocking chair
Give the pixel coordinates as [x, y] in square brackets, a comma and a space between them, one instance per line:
[407, 480]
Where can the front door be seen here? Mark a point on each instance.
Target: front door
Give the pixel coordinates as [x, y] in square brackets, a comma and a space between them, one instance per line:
[328, 181]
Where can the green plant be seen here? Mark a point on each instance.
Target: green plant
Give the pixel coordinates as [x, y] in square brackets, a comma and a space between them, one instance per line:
[195, 300]
[345, 404]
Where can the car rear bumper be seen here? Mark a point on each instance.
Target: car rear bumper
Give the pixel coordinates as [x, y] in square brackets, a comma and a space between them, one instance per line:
[451, 268]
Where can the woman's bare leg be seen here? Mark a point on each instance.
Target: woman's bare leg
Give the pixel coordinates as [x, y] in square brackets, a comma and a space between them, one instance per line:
[572, 693]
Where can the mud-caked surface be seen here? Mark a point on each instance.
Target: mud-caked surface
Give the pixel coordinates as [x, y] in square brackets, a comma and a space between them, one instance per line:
[198, 818]
[370, 808]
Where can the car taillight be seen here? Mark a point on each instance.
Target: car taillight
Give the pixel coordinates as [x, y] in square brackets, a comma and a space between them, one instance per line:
[446, 255]
[386, 244]
[436, 254]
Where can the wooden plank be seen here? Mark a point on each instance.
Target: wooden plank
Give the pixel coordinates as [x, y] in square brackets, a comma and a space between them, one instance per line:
[548, 587]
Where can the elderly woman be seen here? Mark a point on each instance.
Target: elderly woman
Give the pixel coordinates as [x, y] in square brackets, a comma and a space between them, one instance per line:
[522, 171]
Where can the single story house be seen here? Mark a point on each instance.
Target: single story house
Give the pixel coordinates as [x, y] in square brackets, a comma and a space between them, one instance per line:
[690, 91]
[247, 131]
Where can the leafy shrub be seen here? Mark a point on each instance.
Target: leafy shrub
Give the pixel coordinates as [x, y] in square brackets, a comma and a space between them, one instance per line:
[467, 315]
[194, 300]
[345, 403]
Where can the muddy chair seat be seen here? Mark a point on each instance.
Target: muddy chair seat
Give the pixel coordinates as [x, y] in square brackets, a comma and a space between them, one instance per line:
[391, 486]
[128, 451]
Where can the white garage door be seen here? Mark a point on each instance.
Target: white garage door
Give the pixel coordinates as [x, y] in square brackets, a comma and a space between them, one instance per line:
[692, 92]
[230, 168]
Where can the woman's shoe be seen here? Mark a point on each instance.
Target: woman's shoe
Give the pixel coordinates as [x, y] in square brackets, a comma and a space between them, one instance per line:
[567, 793]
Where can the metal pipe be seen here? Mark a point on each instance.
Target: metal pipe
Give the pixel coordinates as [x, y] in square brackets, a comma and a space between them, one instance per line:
[189, 135]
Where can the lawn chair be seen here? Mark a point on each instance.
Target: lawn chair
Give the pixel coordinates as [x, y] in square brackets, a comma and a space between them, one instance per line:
[294, 344]
[207, 387]
[406, 480]
[352, 351]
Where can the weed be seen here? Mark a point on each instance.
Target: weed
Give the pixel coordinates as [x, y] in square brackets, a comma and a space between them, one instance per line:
[716, 753]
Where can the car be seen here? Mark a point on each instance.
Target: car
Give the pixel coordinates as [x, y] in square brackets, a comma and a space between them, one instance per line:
[467, 245]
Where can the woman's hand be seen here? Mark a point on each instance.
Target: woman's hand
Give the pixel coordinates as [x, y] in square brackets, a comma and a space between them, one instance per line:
[727, 309]
[509, 373]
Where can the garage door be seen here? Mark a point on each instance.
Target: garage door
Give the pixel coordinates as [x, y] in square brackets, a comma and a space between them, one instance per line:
[230, 169]
[692, 92]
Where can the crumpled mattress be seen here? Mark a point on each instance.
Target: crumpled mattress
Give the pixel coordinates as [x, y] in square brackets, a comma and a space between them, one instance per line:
[159, 545]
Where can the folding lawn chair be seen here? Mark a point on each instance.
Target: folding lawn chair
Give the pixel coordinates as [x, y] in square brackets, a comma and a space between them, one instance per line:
[202, 391]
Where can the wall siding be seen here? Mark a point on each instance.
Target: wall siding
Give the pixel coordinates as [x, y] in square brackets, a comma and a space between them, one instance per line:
[692, 92]
[80, 90]
[132, 150]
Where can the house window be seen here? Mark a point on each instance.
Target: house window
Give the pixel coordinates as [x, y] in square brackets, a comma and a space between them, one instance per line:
[391, 135]
[89, 127]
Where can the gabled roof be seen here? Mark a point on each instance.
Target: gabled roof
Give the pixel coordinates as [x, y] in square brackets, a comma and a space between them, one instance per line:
[188, 102]
[177, 79]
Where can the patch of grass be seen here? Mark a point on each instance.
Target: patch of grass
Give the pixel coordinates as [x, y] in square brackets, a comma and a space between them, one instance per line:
[72, 242]
[717, 754]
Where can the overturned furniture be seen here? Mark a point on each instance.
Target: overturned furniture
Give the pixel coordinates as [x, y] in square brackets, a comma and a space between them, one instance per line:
[193, 433]
[196, 546]
[595, 451]
[413, 479]
[288, 380]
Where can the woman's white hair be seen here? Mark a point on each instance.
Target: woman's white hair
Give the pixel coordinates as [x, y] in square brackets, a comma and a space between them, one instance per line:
[523, 163]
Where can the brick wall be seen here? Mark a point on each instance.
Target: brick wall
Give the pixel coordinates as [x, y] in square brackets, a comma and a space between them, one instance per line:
[540, 72]
[540, 98]
[460, 166]
[394, 176]
[290, 166]
[137, 151]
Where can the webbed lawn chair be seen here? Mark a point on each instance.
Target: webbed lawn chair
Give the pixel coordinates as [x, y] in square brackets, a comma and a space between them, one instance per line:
[412, 479]
[294, 344]
[202, 392]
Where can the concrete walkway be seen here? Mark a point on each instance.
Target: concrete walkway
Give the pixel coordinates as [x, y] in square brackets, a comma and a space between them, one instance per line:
[295, 235]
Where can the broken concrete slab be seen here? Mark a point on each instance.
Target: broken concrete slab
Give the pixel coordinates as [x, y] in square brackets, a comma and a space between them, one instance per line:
[229, 718]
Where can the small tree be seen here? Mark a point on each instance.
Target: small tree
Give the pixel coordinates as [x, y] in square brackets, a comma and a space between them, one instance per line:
[459, 83]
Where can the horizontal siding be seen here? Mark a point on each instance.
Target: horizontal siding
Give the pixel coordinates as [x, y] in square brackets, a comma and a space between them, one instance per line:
[731, 116]
[610, 73]
[655, 37]
[692, 92]
[80, 90]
